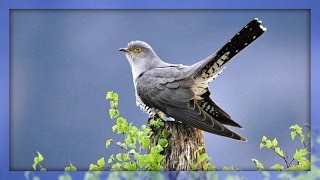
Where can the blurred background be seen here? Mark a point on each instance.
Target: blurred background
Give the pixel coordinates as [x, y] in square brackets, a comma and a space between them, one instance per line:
[64, 61]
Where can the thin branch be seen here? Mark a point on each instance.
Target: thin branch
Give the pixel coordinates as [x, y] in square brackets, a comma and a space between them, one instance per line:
[308, 126]
[284, 158]
[121, 146]
[291, 162]
[40, 166]
[305, 145]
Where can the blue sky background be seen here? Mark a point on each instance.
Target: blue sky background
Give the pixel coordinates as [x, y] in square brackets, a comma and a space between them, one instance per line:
[63, 62]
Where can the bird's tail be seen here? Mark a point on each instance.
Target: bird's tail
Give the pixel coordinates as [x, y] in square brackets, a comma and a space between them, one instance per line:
[209, 67]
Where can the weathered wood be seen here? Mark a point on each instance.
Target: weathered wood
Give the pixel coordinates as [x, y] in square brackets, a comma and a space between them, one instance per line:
[183, 142]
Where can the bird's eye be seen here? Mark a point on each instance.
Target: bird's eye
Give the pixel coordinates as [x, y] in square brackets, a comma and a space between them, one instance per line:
[138, 50]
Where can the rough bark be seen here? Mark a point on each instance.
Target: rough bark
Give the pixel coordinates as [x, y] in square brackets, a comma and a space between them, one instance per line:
[183, 142]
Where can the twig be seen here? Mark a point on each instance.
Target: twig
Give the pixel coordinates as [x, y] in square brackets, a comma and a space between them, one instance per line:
[291, 162]
[284, 158]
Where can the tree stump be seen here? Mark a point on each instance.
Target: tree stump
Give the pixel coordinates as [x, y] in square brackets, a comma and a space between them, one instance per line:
[183, 141]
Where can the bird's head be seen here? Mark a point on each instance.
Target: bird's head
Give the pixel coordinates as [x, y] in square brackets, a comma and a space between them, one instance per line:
[141, 57]
[138, 51]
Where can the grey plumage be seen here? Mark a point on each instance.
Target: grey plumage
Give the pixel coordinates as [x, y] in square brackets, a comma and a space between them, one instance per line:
[180, 91]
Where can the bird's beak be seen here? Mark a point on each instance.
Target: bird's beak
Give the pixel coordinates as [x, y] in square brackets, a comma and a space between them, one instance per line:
[124, 49]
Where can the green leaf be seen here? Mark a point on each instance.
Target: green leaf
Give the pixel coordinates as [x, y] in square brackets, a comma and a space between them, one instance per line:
[279, 151]
[152, 122]
[113, 113]
[119, 157]
[226, 168]
[299, 154]
[155, 167]
[115, 96]
[125, 165]
[277, 167]
[137, 156]
[128, 140]
[114, 127]
[264, 138]
[112, 96]
[293, 135]
[93, 167]
[114, 104]
[159, 158]
[34, 166]
[73, 168]
[163, 142]
[298, 129]
[301, 167]
[97, 168]
[133, 129]
[200, 148]
[205, 166]
[160, 123]
[262, 145]
[143, 127]
[36, 160]
[119, 143]
[41, 158]
[108, 142]
[305, 164]
[101, 162]
[269, 144]
[165, 134]
[111, 159]
[145, 143]
[125, 156]
[159, 148]
[122, 124]
[140, 136]
[293, 168]
[43, 169]
[116, 166]
[274, 142]
[156, 149]
[202, 157]
[294, 127]
[131, 166]
[304, 151]
[194, 167]
[70, 168]
[124, 145]
[258, 164]
[211, 168]
[109, 95]
[301, 138]
[132, 151]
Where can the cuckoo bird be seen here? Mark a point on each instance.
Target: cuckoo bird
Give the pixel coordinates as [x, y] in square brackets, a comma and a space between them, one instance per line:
[181, 92]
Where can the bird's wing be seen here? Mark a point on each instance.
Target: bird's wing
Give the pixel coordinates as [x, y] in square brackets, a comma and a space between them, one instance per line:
[210, 107]
[207, 69]
[165, 90]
